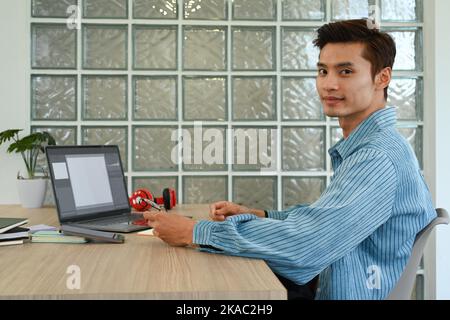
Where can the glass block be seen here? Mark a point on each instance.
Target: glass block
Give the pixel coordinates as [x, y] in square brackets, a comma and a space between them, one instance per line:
[303, 148]
[107, 9]
[304, 10]
[155, 98]
[297, 49]
[155, 47]
[155, 9]
[409, 48]
[53, 97]
[302, 190]
[401, 10]
[254, 98]
[51, 8]
[205, 9]
[254, 9]
[53, 46]
[336, 135]
[205, 98]
[108, 136]
[414, 135]
[255, 192]
[105, 47]
[155, 185]
[154, 149]
[204, 189]
[349, 9]
[204, 48]
[105, 97]
[406, 94]
[64, 136]
[253, 48]
[300, 99]
[204, 148]
[255, 148]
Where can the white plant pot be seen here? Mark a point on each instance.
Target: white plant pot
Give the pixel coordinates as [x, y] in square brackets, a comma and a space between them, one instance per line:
[32, 192]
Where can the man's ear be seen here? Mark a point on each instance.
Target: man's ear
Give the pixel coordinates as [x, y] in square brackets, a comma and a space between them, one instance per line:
[383, 78]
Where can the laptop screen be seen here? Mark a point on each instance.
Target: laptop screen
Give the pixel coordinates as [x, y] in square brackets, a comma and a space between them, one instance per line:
[87, 181]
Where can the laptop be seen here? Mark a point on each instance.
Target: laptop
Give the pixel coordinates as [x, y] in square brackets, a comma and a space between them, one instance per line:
[90, 190]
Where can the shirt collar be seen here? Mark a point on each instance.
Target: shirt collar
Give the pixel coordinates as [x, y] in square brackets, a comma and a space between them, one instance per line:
[379, 120]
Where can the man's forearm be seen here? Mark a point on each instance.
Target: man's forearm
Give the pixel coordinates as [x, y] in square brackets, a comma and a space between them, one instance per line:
[256, 212]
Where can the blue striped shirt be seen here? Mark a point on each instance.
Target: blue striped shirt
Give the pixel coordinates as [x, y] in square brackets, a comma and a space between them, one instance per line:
[358, 235]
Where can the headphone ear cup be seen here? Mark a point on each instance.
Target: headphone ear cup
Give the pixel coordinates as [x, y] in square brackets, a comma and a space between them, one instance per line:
[166, 199]
[141, 193]
[145, 193]
[173, 198]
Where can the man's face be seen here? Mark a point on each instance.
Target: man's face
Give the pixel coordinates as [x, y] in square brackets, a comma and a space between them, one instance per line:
[344, 81]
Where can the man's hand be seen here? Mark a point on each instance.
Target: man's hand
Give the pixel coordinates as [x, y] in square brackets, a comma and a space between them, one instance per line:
[174, 229]
[219, 211]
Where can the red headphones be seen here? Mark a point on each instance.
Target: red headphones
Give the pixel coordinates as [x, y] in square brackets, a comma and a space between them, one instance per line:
[143, 200]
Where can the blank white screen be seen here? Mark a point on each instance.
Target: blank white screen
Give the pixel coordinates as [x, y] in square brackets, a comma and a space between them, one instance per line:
[89, 180]
[60, 171]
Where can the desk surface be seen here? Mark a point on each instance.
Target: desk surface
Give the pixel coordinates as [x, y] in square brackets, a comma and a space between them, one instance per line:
[141, 268]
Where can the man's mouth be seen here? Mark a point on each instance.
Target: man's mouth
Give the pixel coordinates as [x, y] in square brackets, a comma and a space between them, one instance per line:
[333, 99]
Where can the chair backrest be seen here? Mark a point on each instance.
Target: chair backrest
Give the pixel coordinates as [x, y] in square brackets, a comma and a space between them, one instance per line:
[403, 289]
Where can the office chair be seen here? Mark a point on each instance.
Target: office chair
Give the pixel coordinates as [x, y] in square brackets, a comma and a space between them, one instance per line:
[403, 289]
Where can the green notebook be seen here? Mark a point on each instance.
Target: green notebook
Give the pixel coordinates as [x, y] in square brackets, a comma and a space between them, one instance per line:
[10, 223]
[55, 237]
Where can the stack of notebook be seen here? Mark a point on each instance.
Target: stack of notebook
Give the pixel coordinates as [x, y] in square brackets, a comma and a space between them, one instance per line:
[55, 237]
[11, 231]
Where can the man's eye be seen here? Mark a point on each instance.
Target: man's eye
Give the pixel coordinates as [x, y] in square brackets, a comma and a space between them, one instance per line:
[322, 72]
[346, 72]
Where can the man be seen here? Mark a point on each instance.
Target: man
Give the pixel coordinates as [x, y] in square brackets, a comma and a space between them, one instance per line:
[359, 234]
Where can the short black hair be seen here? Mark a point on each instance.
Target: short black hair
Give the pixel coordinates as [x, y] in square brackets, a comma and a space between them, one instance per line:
[380, 49]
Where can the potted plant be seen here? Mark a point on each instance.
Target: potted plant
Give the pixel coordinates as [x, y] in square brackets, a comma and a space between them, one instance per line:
[31, 188]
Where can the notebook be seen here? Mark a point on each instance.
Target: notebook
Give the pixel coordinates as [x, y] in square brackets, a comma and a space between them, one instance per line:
[16, 233]
[55, 237]
[11, 223]
[10, 242]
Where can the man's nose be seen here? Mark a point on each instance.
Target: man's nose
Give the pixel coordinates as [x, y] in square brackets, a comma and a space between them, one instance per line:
[330, 82]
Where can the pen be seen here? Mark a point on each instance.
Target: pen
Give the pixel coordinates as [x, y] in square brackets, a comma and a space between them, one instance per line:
[150, 202]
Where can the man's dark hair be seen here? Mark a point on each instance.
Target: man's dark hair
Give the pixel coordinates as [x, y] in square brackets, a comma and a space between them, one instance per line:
[379, 49]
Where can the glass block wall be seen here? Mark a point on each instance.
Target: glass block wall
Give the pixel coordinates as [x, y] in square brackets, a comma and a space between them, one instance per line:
[135, 71]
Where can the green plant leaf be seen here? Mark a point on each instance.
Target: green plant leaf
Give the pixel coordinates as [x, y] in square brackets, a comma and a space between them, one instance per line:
[27, 143]
[29, 146]
[7, 135]
[47, 137]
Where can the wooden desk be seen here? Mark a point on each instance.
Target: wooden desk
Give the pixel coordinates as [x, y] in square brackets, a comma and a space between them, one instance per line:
[141, 268]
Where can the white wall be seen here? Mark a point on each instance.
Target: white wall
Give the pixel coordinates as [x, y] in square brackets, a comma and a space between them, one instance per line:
[442, 118]
[14, 87]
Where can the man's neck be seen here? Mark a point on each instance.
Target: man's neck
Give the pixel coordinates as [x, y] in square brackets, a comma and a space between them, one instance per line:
[351, 122]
